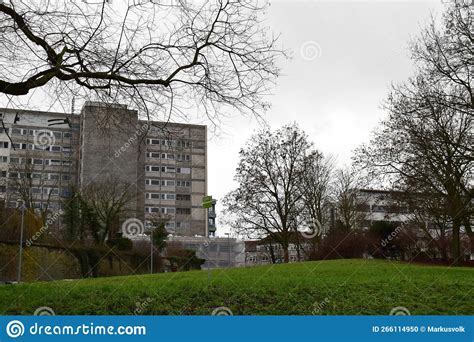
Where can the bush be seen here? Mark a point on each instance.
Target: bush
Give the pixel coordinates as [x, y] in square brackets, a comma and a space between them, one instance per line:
[121, 243]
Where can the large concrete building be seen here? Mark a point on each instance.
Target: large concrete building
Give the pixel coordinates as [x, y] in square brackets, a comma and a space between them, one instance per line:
[164, 164]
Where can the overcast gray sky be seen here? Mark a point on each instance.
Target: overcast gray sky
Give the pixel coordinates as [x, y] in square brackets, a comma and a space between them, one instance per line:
[361, 48]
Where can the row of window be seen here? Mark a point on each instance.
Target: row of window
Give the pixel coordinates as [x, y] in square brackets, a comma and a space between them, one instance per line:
[168, 197]
[168, 156]
[35, 132]
[167, 210]
[48, 191]
[168, 169]
[37, 175]
[36, 161]
[33, 147]
[41, 205]
[172, 224]
[169, 143]
[168, 182]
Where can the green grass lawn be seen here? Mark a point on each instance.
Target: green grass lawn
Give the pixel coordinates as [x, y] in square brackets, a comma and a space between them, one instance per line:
[335, 287]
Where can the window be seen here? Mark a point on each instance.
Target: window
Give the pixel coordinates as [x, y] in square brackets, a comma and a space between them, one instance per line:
[67, 135]
[54, 162]
[66, 177]
[181, 197]
[168, 197]
[151, 195]
[183, 211]
[167, 210]
[65, 192]
[57, 134]
[184, 170]
[184, 144]
[37, 161]
[4, 173]
[55, 148]
[13, 175]
[18, 131]
[168, 169]
[150, 168]
[53, 176]
[67, 162]
[153, 142]
[183, 157]
[183, 184]
[3, 130]
[152, 182]
[4, 159]
[153, 155]
[67, 149]
[40, 147]
[36, 175]
[14, 160]
[3, 144]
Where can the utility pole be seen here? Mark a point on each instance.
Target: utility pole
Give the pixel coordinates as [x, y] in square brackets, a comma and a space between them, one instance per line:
[151, 251]
[22, 210]
[228, 251]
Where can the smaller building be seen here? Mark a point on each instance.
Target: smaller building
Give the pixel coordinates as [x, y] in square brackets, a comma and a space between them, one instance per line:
[219, 252]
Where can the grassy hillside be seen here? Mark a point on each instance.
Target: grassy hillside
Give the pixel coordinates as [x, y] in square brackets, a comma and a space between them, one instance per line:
[341, 287]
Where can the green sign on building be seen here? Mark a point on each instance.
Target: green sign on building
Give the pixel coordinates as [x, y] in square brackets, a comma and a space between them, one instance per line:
[207, 202]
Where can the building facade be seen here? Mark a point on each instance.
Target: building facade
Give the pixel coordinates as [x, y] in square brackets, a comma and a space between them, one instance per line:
[219, 252]
[43, 155]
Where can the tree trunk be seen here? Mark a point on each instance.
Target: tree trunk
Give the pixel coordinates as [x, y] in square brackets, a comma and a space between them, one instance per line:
[456, 242]
[286, 256]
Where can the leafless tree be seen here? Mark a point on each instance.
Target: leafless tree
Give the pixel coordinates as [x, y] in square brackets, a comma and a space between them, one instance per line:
[32, 183]
[348, 199]
[268, 201]
[105, 204]
[159, 57]
[317, 188]
[424, 147]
